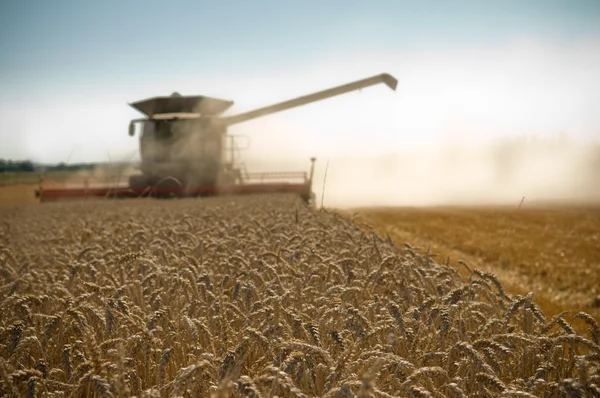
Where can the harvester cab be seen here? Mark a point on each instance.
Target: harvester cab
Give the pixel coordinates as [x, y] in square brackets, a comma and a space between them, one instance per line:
[185, 148]
[183, 139]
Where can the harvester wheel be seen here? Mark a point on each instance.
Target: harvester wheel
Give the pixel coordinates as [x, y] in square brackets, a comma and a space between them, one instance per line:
[166, 182]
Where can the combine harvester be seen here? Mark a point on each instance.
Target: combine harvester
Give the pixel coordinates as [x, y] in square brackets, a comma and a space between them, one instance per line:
[186, 151]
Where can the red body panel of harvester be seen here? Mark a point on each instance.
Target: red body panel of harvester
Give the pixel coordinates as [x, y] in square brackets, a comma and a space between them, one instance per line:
[93, 187]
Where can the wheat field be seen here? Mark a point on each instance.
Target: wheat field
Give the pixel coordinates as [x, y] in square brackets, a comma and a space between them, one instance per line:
[262, 297]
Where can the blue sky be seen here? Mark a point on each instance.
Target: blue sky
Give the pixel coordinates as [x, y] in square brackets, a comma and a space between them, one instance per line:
[51, 43]
[77, 64]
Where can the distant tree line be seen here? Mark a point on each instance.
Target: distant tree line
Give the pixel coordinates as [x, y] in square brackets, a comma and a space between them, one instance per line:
[26, 166]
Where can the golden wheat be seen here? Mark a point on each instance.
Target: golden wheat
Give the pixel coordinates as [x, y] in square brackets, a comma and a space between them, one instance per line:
[261, 297]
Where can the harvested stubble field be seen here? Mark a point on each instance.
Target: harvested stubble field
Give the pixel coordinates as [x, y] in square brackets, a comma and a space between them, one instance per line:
[550, 249]
[261, 296]
[17, 194]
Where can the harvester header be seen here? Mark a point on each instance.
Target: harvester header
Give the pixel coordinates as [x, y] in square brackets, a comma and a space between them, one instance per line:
[185, 149]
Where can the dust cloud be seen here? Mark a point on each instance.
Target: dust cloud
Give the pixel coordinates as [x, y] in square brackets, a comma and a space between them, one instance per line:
[102, 175]
[499, 173]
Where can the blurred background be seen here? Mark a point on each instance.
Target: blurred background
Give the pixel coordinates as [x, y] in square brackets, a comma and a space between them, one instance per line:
[495, 101]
